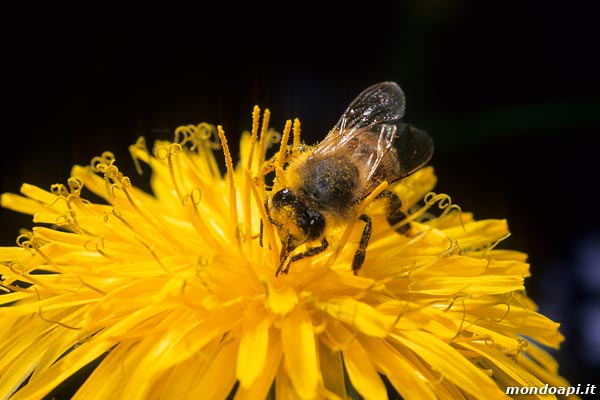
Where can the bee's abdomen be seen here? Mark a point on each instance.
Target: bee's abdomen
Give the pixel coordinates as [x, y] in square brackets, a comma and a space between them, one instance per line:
[332, 183]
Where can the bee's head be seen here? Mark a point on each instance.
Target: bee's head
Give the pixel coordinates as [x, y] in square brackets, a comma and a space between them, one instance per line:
[296, 223]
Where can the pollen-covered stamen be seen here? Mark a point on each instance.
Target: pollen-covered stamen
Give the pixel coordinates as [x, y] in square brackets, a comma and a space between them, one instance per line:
[271, 164]
[231, 181]
[297, 131]
[267, 226]
[253, 139]
[251, 168]
[283, 145]
[263, 140]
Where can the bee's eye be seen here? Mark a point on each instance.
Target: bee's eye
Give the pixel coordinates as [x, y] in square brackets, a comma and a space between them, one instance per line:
[311, 222]
[284, 196]
[315, 226]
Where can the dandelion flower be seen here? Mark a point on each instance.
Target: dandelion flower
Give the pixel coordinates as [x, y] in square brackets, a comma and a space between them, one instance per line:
[174, 294]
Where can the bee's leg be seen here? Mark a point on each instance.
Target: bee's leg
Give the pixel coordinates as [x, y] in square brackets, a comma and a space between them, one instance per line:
[393, 213]
[308, 253]
[267, 210]
[284, 256]
[359, 256]
[271, 220]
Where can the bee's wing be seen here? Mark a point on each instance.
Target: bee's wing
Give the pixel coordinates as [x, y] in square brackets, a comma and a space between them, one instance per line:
[378, 104]
[395, 151]
[383, 102]
[371, 131]
[413, 147]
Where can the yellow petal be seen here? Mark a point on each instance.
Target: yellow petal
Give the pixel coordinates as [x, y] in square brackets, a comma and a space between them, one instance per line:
[451, 364]
[284, 389]
[12, 253]
[103, 383]
[542, 365]
[507, 365]
[362, 373]
[253, 345]
[21, 204]
[261, 386]
[332, 369]
[36, 193]
[10, 297]
[478, 234]
[298, 339]
[281, 299]
[219, 379]
[359, 315]
[61, 370]
[28, 351]
[156, 354]
[403, 375]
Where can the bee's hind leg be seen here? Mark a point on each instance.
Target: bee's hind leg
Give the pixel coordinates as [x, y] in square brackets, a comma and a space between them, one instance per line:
[393, 213]
[359, 256]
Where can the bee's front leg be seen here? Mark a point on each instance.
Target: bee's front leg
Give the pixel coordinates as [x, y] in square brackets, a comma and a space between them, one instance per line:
[284, 266]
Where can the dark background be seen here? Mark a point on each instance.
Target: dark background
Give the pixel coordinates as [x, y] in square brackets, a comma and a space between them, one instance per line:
[508, 90]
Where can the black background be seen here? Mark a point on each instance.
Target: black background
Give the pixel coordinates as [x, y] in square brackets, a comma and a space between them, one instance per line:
[508, 90]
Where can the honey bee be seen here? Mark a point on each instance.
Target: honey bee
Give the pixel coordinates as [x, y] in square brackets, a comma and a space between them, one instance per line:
[325, 183]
